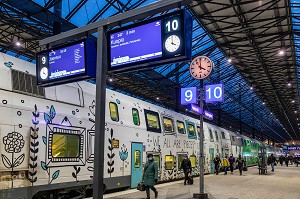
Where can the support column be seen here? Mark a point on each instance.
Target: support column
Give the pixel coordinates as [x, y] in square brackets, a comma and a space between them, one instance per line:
[56, 26]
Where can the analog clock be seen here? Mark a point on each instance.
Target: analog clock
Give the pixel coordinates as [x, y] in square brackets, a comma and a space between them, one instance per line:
[172, 43]
[201, 67]
[44, 73]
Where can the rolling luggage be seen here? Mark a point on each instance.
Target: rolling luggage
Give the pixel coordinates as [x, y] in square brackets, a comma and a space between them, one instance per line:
[190, 180]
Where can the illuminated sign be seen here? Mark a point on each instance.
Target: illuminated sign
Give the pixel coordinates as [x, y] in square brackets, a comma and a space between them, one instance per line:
[208, 115]
[68, 63]
[161, 40]
[214, 93]
[195, 109]
[189, 95]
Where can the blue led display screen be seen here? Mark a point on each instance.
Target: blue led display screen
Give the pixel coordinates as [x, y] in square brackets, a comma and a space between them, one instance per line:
[67, 61]
[136, 44]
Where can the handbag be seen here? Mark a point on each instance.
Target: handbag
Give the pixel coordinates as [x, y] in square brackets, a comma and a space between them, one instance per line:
[141, 186]
[245, 168]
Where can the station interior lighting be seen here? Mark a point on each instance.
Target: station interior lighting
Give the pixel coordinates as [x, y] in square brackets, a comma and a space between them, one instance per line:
[293, 101]
[251, 88]
[18, 43]
[110, 79]
[281, 52]
[289, 84]
[264, 103]
[157, 98]
[229, 60]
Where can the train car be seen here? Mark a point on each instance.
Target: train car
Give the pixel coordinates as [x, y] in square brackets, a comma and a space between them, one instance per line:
[48, 136]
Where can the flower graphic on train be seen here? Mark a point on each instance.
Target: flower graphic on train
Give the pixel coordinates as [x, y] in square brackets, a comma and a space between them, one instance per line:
[13, 142]
[123, 153]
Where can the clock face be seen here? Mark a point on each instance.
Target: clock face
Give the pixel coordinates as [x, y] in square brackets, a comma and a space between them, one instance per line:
[201, 67]
[44, 73]
[172, 43]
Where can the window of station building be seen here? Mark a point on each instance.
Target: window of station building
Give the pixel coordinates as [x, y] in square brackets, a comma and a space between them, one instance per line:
[136, 116]
[211, 135]
[152, 121]
[180, 127]
[168, 125]
[65, 145]
[169, 162]
[114, 114]
[193, 161]
[191, 130]
[217, 137]
[223, 135]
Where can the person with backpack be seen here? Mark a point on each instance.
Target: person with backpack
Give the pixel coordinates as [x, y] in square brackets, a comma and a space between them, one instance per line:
[225, 164]
[231, 162]
[217, 162]
[272, 160]
[240, 163]
[187, 168]
[150, 176]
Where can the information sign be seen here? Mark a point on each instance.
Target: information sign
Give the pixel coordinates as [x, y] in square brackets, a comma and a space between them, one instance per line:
[208, 115]
[68, 63]
[194, 108]
[161, 40]
[189, 95]
[214, 93]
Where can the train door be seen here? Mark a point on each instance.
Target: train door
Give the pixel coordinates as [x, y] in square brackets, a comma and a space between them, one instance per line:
[211, 155]
[136, 164]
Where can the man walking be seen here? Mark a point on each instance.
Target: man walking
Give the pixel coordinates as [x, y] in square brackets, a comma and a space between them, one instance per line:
[217, 162]
[187, 168]
[231, 162]
[272, 161]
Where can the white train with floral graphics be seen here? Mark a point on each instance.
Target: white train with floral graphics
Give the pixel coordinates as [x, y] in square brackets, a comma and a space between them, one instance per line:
[47, 137]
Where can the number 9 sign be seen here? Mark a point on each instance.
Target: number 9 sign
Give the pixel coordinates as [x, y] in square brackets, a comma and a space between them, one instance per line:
[189, 95]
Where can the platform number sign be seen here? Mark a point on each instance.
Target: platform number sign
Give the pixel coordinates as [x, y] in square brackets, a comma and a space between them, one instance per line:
[189, 95]
[214, 93]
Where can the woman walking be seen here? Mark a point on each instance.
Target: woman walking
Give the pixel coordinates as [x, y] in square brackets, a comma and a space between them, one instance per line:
[150, 176]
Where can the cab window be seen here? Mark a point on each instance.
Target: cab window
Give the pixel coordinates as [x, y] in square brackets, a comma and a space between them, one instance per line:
[168, 125]
[180, 127]
[135, 117]
[113, 109]
[169, 162]
[152, 121]
[191, 130]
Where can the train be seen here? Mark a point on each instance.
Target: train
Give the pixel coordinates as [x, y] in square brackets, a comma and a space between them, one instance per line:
[48, 134]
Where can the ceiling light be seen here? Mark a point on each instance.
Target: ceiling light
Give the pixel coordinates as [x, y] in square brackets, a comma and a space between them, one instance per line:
[264, 103]
[295, 111]
[281, 52]
[289, 84]
[229, 60]
[271, 113]
[251, 88]
[293, 101]
[110, 79]
[18, 43]
[157, 98]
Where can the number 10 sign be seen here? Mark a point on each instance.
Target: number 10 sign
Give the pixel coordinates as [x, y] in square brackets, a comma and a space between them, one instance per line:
[214, 93]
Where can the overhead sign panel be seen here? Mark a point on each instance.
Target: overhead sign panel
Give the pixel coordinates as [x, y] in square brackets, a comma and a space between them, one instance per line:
[189, 95]
[161, 40]
[68, 63]
[214, 93]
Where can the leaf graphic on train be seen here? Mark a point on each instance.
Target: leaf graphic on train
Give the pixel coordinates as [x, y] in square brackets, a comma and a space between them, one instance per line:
[35, 122]
[78, 170]
[55, 175]
[34, 150]
[19, 160]
[52, 112]
[6, 161]
[111, 132]
[110, 148]
[34, 136]
[44, 139]
[33, 180]
[91, 120]
[32, 173]
[47, 118]
[33, 158]
[90, 168]
[33, 165]
[44, 165]
[112, 155]
[35, 144]
[110, 163]
[74, 175]
[109, 140]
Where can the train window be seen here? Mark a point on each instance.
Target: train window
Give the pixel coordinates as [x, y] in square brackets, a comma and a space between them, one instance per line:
[152, 121]
[169, 162]
[223, 135]
[114, 114]
[135, 117]
[193, 161]
[180, 127]
[211, 135]
[65, 146]
[198, 131]
[191, 130]
[137, 159]
[217, 137]
[156, 158]
[168, 125]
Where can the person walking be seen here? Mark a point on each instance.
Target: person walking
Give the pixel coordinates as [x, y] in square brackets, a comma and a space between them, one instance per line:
[231, 162]
[241, 163]
[187, 168]
[217, 162]
[281, 160]
[287, 161]
[150, 176]
[272, 160]
[225, 164]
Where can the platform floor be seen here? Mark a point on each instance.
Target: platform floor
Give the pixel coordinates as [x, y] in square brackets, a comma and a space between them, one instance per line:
[283, 183]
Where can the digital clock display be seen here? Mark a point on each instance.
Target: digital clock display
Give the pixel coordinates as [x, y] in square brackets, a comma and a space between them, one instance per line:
[67, 61]
[136, 44]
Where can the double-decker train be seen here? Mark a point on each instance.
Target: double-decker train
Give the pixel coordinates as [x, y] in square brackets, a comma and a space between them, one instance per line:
[47, 137]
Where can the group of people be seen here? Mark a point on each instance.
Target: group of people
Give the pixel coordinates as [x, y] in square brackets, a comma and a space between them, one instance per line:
[229, 162]
[289, 159]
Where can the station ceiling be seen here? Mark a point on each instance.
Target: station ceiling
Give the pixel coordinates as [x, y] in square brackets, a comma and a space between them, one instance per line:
[258, 97]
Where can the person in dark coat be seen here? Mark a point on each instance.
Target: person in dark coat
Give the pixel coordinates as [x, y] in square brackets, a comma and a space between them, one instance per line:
[187, 168]
[271, 161]
[240, 163]
[287, 161]
[231, 160]
[150, 176]
[281, 160]
[217, 162]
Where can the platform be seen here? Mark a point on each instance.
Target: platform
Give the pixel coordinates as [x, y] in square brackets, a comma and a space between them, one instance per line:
[283, 183]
